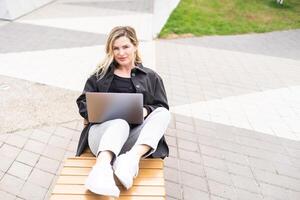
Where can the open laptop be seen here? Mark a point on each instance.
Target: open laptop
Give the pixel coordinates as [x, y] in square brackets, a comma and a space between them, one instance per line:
[107, 106]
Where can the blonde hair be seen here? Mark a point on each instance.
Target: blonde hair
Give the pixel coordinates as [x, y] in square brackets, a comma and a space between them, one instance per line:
[114, 34]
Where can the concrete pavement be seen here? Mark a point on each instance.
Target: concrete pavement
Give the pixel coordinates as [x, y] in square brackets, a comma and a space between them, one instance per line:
[235, 102]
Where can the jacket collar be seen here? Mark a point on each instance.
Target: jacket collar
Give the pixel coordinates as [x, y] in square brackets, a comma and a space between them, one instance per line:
[139, 68]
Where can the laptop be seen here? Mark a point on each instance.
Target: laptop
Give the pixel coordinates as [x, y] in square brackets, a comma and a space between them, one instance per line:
[102, 107]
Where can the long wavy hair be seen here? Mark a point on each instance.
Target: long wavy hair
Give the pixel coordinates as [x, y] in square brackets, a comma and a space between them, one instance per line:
[114, 34]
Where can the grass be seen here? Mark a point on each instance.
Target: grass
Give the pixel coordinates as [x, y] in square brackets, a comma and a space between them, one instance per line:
[224, 17]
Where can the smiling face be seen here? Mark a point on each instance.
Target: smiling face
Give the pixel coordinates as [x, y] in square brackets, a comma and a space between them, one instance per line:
[124, 52]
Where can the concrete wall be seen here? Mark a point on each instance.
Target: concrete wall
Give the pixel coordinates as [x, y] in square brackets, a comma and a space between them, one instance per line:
[12, 9]
[162, 11]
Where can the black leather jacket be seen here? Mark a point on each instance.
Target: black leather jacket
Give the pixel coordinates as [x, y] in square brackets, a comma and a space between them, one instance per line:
[145, 81]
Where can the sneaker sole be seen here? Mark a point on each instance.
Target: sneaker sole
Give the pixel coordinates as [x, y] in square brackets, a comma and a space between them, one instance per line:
[122, 179]
[103, 191]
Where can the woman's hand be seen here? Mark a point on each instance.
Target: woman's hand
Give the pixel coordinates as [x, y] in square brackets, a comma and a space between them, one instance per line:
[145, 112]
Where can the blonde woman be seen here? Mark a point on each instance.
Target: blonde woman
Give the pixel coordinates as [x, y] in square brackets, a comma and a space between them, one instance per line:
[118, 145]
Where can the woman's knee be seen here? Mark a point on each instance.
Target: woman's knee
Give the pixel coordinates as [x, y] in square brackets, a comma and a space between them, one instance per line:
[163, 112]
[121, 123]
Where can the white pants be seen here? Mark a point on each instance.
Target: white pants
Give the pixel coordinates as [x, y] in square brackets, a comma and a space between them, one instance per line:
[117, 137]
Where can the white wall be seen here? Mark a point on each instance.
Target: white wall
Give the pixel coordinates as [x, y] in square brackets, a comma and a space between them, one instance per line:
[12, 9]
[162, 11]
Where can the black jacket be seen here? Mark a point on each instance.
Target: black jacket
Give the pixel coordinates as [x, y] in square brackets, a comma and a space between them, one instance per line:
[145, 81]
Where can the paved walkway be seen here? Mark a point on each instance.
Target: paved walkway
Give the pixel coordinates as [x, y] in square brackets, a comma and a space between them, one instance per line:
[235, 102]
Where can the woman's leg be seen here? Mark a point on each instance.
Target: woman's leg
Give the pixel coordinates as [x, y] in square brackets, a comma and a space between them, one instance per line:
[148, 133]
[105, 141]
[142, 141]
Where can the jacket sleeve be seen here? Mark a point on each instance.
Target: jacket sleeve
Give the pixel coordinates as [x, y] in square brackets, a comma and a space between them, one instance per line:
[90, 86]
[160, 97]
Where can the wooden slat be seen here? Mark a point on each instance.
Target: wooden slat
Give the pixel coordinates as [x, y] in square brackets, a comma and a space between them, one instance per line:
[79, 180]
[135, 190]
[145, 163]
[75, 171]
[100, 197]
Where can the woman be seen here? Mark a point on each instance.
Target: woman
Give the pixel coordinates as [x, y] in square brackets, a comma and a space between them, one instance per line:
[118, 145]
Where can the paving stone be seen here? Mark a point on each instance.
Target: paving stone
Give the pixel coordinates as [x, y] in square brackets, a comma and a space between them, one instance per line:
[187, 145]
[194, 181]
[213, 197]
[235, 157]
[261, 144]
[24, 133]
[186, 135]
[173, 152]
[20, 170]
[65, 132]
[171, 162]
[70, 125]
[287, 170]
[11, 184]
[1, 174]
[53, 152]
[239, 169]
[69, 154]
[5, 163]
[7, 196]
[218, 176]
[184, 119]
[16, 140]
[76, 137]
[184, 126]
[49, 129]
[59, 142]
[275, 179]
[189, 156]
[34, 146]
[171, 141]
[170, 198]
[73, 146]
[263, 154]
[293, 195]
[193, 194]
[27, 192]
[273, 191]
[245, 183]
[222, 190]
[171, 174]
[245, 195]
[173, 190]
[48, 165]
[214, 163]
[40, 135]
[171, 132]
[28, 158]
[41, 178]
[192, 168]
[9, 151]
[3, 137]
[211, 151]
[261, 164]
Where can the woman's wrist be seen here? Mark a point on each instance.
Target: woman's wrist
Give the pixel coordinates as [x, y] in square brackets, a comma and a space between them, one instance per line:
[145, 112]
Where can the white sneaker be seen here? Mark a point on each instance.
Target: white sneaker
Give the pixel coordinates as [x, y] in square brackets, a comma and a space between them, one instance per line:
[101, 181]
[126, 167]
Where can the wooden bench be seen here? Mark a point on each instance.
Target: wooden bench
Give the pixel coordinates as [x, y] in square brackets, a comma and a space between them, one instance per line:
[149, 185]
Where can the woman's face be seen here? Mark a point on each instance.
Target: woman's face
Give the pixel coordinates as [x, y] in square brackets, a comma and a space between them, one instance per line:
[124, 51]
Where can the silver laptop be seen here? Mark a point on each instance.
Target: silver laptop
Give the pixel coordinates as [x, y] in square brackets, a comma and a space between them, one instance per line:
[107, 106]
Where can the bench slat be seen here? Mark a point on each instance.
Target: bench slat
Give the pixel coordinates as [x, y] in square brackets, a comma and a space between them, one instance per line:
[73, 162]
[75, 171]
[134, 191]
[98, 197]
[79, 180]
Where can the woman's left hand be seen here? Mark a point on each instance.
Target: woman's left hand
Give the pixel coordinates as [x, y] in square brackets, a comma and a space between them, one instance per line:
[145, 112]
